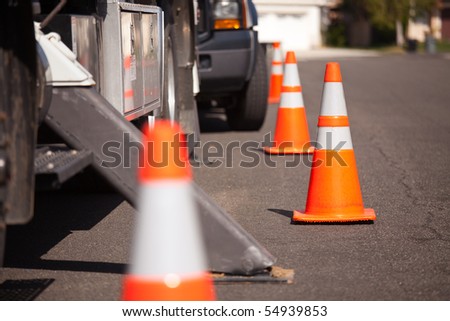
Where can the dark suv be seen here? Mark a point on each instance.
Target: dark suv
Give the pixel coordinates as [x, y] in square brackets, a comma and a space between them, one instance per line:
[232, 64]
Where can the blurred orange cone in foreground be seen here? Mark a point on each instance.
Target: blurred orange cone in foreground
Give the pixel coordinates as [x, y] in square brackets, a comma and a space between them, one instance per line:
[168, 260]
[291, 130]
[334, 193]
[276, 77]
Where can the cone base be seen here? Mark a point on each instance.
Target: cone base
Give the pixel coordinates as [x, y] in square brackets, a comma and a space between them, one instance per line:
[288, 150]
[367, 215]
[273, 100]
[198, 288]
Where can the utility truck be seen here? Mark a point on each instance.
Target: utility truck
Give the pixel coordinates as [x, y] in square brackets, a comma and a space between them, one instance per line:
[75, 74]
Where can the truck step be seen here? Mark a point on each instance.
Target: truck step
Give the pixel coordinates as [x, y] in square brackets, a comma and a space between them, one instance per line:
[54, 165]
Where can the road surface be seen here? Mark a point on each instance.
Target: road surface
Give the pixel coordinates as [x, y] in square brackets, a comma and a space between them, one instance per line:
[77, 246]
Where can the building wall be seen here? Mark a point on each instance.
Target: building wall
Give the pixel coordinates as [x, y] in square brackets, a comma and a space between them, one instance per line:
[445, 16]
[295, 23]
[299, 31]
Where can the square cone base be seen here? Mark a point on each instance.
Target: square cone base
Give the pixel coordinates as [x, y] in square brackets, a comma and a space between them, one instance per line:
[367, 215]
[288, 150]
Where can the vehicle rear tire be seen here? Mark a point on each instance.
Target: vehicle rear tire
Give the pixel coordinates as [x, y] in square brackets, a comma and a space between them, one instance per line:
[180, 51]
[249, 111]
[18, 115]
[2, 241]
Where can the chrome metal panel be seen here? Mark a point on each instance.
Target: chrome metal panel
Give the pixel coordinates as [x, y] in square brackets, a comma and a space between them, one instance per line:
[138, 85]
[111, 69]
[152, 70]
[133, 58]
[129, 61]
[133, 82]
[85, 43]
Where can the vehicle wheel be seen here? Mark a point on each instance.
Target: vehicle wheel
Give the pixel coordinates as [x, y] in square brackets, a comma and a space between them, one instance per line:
[18, 114]
[170, 108]
[179, 67]
[249, 111]
[2, 240]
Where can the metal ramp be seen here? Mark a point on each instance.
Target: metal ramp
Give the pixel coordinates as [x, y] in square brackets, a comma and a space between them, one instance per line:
[86, 121]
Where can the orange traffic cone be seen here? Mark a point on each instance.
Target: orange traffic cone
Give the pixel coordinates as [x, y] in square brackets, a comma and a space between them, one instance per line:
[334, 193]
[276, 77]
[291, 130]
[168, 257]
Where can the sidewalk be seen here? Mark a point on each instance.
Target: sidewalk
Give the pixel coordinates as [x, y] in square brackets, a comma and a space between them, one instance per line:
[327, 54]
[331, 53]
[340, 53]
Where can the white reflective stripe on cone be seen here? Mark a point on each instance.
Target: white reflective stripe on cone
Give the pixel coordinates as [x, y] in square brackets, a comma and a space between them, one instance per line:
[277, 56]
[336, 138]
[168, 234]
[291, 76]
[333, 100]
[291, 100]
[277, 69]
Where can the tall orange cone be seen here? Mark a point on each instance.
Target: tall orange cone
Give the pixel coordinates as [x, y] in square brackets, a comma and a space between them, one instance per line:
[276, 77]
[168, 258]
[334, 193]
[291, 130]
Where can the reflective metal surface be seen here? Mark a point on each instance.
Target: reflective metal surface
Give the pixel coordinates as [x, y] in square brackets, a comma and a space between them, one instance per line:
[132, 39]
[85, 43]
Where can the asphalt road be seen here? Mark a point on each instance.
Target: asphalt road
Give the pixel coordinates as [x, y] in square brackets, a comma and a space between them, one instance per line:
[399, 107]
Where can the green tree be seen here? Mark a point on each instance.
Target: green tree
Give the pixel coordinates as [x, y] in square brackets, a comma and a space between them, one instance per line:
[382, 14]
[426, 7]
[386, 14]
